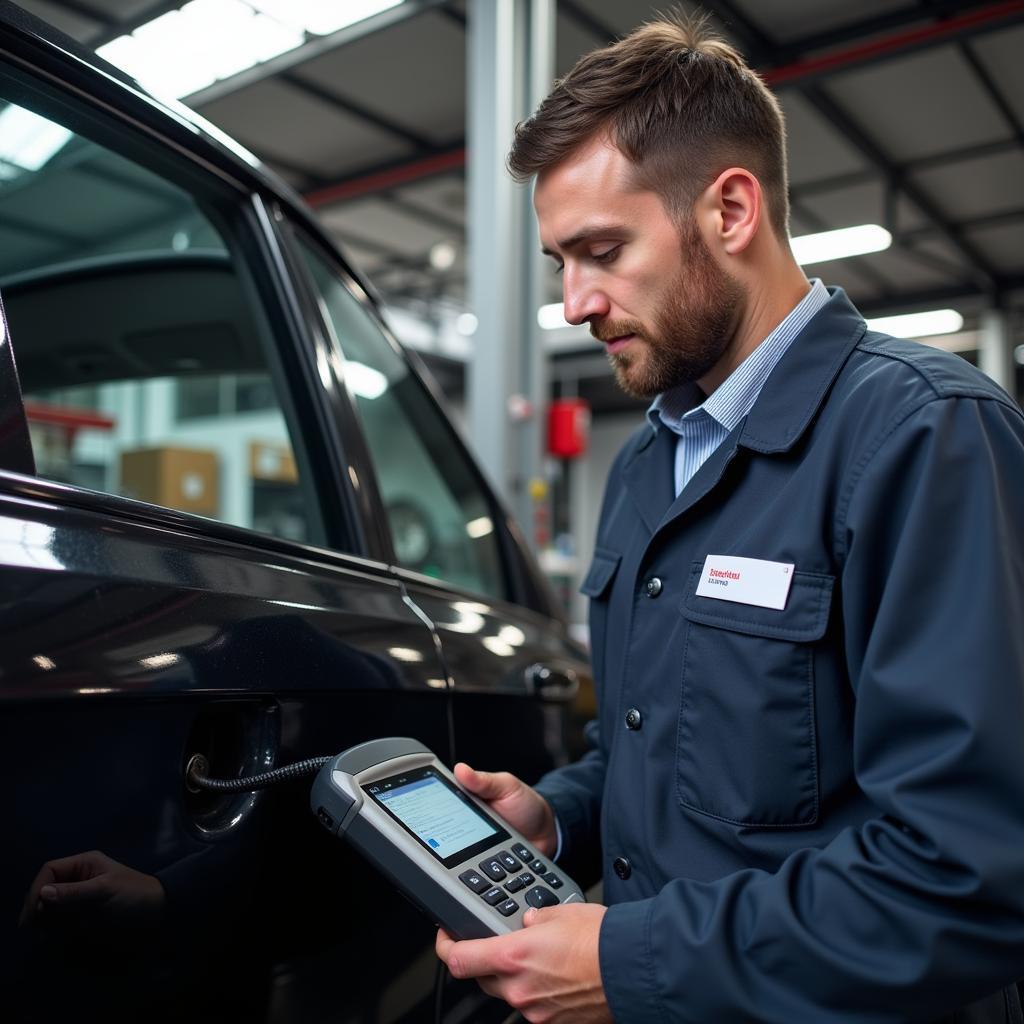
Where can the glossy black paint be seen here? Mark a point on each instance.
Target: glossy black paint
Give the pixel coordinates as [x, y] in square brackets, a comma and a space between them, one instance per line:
[133, 636]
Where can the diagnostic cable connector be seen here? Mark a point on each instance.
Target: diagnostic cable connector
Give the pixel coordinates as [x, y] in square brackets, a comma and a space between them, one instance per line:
[196, 779]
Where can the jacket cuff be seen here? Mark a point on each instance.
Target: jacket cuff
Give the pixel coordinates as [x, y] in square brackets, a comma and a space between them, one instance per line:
[627, 968]
[572, 820]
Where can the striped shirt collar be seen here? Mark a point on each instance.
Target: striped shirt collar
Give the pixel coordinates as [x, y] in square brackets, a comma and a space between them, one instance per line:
[735, 396]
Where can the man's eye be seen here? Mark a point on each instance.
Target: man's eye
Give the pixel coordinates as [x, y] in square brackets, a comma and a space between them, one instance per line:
[559, 267]
[607, 256]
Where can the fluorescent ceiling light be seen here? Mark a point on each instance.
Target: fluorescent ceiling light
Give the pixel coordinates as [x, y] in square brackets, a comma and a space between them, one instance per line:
[322, 17]
[838, 245]
[552, 317]
[184, 51]
[466, 324]
[442, 255]
[364, 381]
[27, 140]
[481, 527]
[919, 325]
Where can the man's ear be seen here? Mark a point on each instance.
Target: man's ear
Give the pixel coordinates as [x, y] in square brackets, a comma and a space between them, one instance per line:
[734, 204]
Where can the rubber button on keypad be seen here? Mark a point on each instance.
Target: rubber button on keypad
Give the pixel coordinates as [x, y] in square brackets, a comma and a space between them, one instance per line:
[522, 852]
[494, 896]
[508, 908]
[493, 869]
[541, 897]
[553, 880]
[508, 862]
[474, 880]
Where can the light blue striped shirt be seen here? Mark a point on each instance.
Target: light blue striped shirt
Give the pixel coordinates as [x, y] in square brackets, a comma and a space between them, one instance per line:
[702, 428]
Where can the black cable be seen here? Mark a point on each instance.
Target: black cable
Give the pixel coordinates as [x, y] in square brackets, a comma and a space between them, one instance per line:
[197, 779]
[439, 982]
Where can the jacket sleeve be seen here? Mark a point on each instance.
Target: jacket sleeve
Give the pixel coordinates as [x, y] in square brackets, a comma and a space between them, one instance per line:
[574, 792]
[920, 909]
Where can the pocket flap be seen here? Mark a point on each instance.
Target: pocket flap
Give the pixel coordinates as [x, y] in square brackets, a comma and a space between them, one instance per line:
[804, 618]
[602, 572]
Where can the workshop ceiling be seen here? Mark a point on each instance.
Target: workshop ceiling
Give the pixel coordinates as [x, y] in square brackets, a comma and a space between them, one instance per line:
[909, 115]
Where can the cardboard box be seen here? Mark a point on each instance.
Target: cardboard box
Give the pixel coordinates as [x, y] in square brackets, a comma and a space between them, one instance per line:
[180, 478]
[272, 461]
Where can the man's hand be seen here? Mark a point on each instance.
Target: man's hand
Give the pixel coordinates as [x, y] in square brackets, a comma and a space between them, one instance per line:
[92, 883]
[522, 807]
[548, 970]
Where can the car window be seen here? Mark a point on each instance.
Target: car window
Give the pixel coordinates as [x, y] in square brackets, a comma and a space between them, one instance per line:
[441, 518]
[144, 367]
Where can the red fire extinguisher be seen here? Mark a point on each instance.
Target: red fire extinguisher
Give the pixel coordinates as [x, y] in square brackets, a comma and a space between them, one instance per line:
[568, 427]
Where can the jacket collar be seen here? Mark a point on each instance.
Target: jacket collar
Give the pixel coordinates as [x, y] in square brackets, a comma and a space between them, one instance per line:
[794, 391]
[791, 396]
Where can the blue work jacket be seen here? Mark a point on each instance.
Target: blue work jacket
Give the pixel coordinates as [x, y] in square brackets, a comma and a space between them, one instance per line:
[815, 813]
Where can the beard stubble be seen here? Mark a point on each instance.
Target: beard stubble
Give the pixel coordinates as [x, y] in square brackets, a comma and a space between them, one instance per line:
[690, 332]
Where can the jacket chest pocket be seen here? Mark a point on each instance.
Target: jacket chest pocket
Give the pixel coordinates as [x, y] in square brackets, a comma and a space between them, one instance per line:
[597, 586]
[746, 750]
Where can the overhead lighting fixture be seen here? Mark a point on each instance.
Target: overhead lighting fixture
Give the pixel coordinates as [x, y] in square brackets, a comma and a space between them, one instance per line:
[322, 17]
[466, 324]
[481, 527]
[364, 381]
[840, 244]
[919, 325]
[442, 255]
[186, 50]
[28, 141]
[552, 316]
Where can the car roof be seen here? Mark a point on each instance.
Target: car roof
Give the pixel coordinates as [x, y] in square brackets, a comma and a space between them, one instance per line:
[41, 47]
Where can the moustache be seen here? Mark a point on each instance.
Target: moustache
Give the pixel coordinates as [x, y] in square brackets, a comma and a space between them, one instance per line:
[609, 330]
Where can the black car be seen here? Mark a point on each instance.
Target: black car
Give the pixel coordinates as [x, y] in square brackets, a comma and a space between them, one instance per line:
[234, 521]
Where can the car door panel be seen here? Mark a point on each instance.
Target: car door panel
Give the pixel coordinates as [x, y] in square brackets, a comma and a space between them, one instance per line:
[128, 647]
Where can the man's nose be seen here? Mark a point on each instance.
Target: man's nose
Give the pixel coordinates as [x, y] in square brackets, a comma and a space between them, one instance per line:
[582, 301]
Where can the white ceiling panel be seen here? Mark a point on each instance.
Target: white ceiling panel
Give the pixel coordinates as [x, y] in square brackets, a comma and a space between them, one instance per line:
[857, 204]
[816, 149]
[377, 219]
[276, 120]
[1001, 53]
[413, 74]
[919, 105]
[446, 194]
[784, 20]
[977, 187]
[1003, 244]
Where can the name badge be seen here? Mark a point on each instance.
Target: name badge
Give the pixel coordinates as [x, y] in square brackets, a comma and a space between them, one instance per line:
[746, 580]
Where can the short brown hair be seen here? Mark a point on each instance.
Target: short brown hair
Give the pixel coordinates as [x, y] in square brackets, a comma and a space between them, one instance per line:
[679, 102]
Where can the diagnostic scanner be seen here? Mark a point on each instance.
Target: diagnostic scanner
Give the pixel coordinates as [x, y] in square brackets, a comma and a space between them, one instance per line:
[470, 871]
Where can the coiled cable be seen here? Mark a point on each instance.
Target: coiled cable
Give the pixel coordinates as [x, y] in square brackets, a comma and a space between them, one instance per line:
[196, 778]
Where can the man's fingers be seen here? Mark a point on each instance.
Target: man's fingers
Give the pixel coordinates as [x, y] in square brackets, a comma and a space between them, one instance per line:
[473, 958]
[486, 785]
[70, 893]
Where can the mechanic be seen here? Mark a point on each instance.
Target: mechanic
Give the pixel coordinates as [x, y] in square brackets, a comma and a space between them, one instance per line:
[807, 780]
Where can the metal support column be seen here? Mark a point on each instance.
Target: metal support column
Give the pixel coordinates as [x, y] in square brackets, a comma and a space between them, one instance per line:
[510, 62]
[995, 356]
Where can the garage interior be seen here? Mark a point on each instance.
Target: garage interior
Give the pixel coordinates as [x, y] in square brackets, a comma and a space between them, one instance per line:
[391, 119]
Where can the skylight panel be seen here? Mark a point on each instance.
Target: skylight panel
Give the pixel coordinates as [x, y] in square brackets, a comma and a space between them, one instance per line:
[28, 141]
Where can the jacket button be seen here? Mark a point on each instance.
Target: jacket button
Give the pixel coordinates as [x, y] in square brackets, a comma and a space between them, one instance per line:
[653, 586]
[622, 868]
[634, 719]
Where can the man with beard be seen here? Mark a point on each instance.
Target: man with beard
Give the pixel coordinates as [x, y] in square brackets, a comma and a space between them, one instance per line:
[807, 779]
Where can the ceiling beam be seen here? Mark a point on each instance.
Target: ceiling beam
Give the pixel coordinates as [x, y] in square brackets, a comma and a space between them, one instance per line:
[332, 99]
[924, 163]
[808, 69]
[387, 176]
[315, 47]
[758, 43]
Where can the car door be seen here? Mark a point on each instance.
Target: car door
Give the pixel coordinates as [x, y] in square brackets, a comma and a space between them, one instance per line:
[183, 570]
[522, 688]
